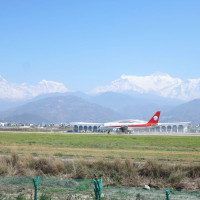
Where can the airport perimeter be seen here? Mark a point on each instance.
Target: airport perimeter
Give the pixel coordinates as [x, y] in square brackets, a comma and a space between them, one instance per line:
[126, 162]
[70, 189]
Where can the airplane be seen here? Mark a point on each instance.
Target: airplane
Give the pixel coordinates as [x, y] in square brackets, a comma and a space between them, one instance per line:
[128, 125]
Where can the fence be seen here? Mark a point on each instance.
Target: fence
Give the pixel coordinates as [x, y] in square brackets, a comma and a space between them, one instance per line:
[22, 188]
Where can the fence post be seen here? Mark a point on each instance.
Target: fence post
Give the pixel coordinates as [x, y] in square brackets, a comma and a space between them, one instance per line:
[98, 188]
[36, 183]
[168, 194]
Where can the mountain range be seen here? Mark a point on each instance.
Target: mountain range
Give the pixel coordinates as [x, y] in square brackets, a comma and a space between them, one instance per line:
[133, 97]
[158, 84]
[57, 108]
[13, 91]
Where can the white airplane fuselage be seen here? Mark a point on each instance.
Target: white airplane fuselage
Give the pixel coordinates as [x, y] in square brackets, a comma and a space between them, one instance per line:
[127, 125]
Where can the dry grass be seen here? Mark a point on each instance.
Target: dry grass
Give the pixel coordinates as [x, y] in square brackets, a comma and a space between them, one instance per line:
[37, 150]
[115, 172]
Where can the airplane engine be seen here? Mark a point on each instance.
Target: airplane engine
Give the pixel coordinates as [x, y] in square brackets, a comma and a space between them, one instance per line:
[124, 129]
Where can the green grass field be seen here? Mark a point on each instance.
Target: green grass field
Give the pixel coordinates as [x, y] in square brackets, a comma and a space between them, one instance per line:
[173, 148]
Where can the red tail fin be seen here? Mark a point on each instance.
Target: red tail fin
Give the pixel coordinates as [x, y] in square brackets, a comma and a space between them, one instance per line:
[154, 120]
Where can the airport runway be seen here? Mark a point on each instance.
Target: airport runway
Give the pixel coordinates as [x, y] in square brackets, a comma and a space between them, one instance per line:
[150, 133]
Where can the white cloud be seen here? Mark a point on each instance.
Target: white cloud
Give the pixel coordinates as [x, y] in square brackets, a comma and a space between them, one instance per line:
[158, 83]
[24, 91]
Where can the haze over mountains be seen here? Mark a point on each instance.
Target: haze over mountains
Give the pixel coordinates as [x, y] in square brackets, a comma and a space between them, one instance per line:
[128, 97]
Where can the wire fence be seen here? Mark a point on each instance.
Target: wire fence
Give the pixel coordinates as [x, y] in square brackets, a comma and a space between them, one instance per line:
[22, 188]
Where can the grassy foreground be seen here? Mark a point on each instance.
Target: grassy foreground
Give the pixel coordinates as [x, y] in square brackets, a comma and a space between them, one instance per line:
[113, 157]
[173, 148]
[114, 172]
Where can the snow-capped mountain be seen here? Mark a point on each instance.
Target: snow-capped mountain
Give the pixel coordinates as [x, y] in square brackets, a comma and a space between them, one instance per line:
[23, 91]
[158, 83]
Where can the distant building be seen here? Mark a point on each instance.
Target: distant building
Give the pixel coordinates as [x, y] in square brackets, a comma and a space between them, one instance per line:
[85, 126]
[175, 127]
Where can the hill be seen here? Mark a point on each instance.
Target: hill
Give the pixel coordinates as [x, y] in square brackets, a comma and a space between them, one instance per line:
[133, 105]
[59, 109]
[189, 111]
[112, 106]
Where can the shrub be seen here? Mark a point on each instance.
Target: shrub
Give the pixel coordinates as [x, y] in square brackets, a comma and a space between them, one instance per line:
[45, 197]
[194, 171]
[155, 170]
[14, 159]
[3, 169]
[115, 176]
[176, 177]
[79, 171]
[47, 166]
[20, 197]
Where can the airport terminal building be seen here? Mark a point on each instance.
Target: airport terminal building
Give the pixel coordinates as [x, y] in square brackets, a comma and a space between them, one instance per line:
[176, 127]
[86, 127]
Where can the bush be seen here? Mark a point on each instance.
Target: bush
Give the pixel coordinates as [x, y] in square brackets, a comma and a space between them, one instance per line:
[155, 170]
[45, 197]
[20, 197]
[47, 166]
[114, 172]
[3, 170]
[194, 171]
[14, 159]
[176, 177]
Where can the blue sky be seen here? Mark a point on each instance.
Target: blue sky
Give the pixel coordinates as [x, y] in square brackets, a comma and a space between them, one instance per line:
[84, 44]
